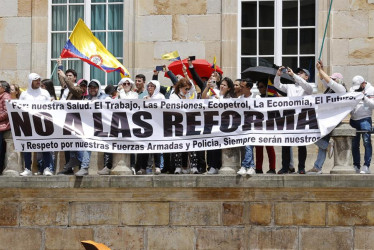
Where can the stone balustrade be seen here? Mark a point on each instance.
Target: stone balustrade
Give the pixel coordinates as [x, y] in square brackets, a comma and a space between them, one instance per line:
[231, 158]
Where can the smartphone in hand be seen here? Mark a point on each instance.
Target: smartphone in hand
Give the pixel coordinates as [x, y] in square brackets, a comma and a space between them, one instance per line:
[159, 68]
[192, 58]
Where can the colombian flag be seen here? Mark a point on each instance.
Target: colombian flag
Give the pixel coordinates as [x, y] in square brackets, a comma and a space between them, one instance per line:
[271, 90]
[84, 45]
[214, 65]
[173, 56]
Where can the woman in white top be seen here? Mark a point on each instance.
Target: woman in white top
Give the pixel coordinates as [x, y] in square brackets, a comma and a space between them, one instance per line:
[153, 88]
[126, 89]
[226, 90]
[184, 89]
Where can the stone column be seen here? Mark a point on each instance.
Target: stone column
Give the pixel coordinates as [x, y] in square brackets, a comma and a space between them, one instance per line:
[230, 161]
[13, 160]
[121, 164]
[342, 136]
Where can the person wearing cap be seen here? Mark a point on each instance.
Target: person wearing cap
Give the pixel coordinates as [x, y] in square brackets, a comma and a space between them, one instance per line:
[333, 84]
[35, 93]
[111, 91]
[300, 88]
[361, 121]
[126, 88]
[94, 93]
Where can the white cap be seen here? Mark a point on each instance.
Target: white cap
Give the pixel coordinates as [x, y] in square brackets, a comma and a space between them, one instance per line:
[123, 80]
[357, 80]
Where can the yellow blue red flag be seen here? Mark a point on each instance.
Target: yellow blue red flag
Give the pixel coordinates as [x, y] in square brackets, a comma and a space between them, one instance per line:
[172, 56]
[84, 45]
[271, 90]
[214, 65]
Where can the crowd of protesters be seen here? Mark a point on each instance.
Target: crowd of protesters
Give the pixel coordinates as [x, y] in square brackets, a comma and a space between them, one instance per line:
[214, 87]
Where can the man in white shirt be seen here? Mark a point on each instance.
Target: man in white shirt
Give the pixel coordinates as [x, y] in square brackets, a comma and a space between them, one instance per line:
[300, 88]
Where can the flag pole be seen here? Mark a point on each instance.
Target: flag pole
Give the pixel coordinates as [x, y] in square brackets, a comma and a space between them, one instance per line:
[324, 35]
[54, 69]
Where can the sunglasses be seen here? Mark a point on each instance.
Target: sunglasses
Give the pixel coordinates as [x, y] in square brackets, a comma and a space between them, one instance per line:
[127, 83]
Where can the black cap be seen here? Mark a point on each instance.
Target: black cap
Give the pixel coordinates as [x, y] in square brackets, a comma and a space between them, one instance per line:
[304, 70]
[94, 82]
[110, 89]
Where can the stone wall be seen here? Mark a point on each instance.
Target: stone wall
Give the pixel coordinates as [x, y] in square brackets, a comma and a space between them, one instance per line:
[188, 212]
[351, 39]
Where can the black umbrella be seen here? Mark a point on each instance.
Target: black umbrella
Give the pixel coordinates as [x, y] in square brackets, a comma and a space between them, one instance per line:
[260, 73]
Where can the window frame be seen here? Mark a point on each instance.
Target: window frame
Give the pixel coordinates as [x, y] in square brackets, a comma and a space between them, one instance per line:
[278, 35]
[86, 74]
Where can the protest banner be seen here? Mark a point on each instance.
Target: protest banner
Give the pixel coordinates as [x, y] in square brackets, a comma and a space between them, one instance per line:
[150, 126]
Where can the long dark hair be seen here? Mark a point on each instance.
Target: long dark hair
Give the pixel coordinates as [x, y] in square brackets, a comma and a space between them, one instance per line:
[230, 85]
[49, 87]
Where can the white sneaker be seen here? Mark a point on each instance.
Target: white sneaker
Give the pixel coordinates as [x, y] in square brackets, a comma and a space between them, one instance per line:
[365, 170]
[157, 171]
[357, 169]
[212, 171]
[242, 171]
[47, 172]
[251, 171]
[185, 171]
[314, 170]
[194, 170]
[26, 172]
[178, 171]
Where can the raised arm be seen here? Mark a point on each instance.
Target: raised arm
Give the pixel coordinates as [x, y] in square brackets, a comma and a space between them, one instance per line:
[75, 90]
[277, 82]
[173, 78]
[195, 76]
[301, 82]
[338, 88]
[62, 82]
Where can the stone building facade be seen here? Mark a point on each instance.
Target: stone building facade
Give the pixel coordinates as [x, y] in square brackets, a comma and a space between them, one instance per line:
[186, 212]
[205, 28]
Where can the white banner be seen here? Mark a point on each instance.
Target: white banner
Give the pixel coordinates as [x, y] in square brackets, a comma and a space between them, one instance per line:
[144, 126]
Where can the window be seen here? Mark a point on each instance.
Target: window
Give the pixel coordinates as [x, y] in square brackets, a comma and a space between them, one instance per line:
[103, 17]
[277, 32]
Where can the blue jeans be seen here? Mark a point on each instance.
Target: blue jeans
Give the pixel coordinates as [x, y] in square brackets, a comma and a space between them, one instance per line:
[40, 162]
[47, 160]
[84, 157]
[363, 124]
[248, 161]
[322, 144]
